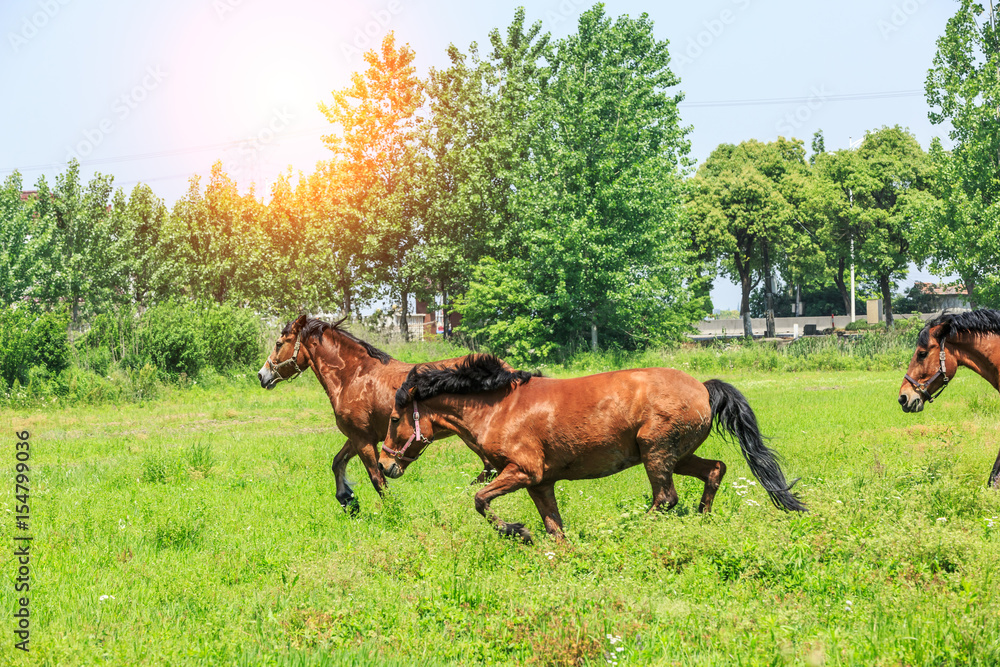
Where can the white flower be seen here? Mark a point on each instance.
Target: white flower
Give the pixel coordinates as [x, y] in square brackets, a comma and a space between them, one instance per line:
[550, 554]
[105, 597]
[941, 519]
[752, 502]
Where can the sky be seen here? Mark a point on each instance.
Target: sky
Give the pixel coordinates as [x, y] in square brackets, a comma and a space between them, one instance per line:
[157, 92]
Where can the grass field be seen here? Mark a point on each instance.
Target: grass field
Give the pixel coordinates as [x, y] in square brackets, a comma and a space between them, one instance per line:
[208, 518]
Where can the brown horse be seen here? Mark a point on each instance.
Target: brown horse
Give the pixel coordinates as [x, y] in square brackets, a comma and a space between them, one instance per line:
[537, 431]
[948, 341]
[360, 380]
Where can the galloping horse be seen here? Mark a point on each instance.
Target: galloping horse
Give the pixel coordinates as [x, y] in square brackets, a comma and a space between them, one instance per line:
[948, 341]
[537, 431]
[360, 380]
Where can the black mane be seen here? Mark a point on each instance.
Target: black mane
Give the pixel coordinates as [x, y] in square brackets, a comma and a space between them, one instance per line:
[315, 327]
[984, 320]
[475, 374]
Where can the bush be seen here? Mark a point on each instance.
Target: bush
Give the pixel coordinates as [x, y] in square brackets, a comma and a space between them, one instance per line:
[29, 338]
[171, 334]
[233, 337]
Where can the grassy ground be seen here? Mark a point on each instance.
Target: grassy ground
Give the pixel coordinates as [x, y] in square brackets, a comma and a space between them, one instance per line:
[208, 516]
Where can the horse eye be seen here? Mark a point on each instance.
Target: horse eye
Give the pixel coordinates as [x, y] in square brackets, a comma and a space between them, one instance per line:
[394, 420]
[922, 354]
[277, 345]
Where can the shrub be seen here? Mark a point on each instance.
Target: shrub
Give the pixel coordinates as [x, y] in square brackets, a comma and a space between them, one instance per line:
[29, 338]
[233, 336]
[171, 334]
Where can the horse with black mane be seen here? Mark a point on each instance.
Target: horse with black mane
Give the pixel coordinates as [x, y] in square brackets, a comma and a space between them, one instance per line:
[536, 431]
[361, 381]
[948, 341]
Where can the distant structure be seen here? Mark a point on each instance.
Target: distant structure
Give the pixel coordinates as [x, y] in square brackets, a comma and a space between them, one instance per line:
[949, 296]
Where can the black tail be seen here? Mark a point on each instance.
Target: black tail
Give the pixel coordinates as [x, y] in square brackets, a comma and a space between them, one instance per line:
[733, 416]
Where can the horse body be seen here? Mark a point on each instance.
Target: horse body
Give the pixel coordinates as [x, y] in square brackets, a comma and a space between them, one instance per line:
[947, 342]
[359, 380]
[537, 431]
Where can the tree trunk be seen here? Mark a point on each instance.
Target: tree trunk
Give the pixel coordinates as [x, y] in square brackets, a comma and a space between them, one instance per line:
[346, 304]
[593, 336]
[838, 279]
[404, 327]
[768, 295]
[970, 287]
[883, 283]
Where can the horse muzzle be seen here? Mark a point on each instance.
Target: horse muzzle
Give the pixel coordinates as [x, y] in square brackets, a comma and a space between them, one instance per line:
[394, 471]
[268, 380]
[911, 403]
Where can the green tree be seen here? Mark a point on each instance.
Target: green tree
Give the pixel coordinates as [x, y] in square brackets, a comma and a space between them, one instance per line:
[743, 209]
[593, 239]
[25, 244]
[378, 146]
[960, 231]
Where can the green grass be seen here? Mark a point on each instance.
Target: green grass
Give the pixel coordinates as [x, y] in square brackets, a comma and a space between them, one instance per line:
[209, 515]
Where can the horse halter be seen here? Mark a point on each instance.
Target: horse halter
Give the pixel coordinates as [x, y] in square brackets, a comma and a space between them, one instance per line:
[414, 437]
[293, 360]
[922, 387]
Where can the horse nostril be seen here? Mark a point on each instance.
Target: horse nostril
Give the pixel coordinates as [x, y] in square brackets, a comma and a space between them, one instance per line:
[902, 400]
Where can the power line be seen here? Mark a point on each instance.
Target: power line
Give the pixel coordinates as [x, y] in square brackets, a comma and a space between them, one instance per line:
[848, 97]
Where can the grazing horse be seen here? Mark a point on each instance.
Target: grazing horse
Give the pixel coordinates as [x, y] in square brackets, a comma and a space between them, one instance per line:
[537, 431]
[948, 341]
[360, 380]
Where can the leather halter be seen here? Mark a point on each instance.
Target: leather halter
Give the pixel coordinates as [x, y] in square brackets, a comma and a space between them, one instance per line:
[293, 360]
[922, 387]
[414, 437]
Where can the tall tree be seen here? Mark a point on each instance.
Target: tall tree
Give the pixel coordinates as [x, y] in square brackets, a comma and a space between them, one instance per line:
[593, 242]
[378, 144]
[893, 174]
[961, 230]
[26, 250]
[743, 210]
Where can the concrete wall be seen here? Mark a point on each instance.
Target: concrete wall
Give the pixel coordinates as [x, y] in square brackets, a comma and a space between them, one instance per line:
[782, 325]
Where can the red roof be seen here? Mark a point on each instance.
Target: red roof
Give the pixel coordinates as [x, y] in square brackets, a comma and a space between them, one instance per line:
[942, 290]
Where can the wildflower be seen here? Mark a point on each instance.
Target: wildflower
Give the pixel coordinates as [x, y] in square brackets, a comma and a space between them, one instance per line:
[550, 554]
[752, 503]
[941, 519]
[105, 597]
[848, 605]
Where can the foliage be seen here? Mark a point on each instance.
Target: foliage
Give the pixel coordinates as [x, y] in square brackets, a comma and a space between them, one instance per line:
[31, 339]
[961, 230]
[742, 210]
[594, 245]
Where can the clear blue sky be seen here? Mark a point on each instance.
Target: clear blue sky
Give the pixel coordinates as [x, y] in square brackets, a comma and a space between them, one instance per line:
[156, 92]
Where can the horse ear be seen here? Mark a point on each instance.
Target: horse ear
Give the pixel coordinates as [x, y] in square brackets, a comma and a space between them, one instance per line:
[943, 331]
[410, 391]
[300, 322]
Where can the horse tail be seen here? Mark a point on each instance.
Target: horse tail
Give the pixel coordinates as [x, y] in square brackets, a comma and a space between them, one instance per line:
[733, 417]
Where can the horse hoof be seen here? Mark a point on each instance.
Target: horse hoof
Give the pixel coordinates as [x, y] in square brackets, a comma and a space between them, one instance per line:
[349, 503]
[516, 530]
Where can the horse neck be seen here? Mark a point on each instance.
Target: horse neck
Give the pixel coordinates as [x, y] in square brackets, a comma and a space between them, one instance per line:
[979, 352]
[464, 414]
[336, 361]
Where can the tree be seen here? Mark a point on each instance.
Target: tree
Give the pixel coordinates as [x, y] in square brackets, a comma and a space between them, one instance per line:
[892, 176]
[960, 231]
[743, 211]
[593, 242]
[377, 116]
[25, 243]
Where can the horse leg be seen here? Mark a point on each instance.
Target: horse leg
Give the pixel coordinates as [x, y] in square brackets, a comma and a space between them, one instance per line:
[995, 475]
[366, 452]
[488, 473]
[662, 482]
[544, 496]
[709, 471]
[510, 479]
[345, 494]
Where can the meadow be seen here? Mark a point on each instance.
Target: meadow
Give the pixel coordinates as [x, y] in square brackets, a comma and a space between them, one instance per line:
[201, 528]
